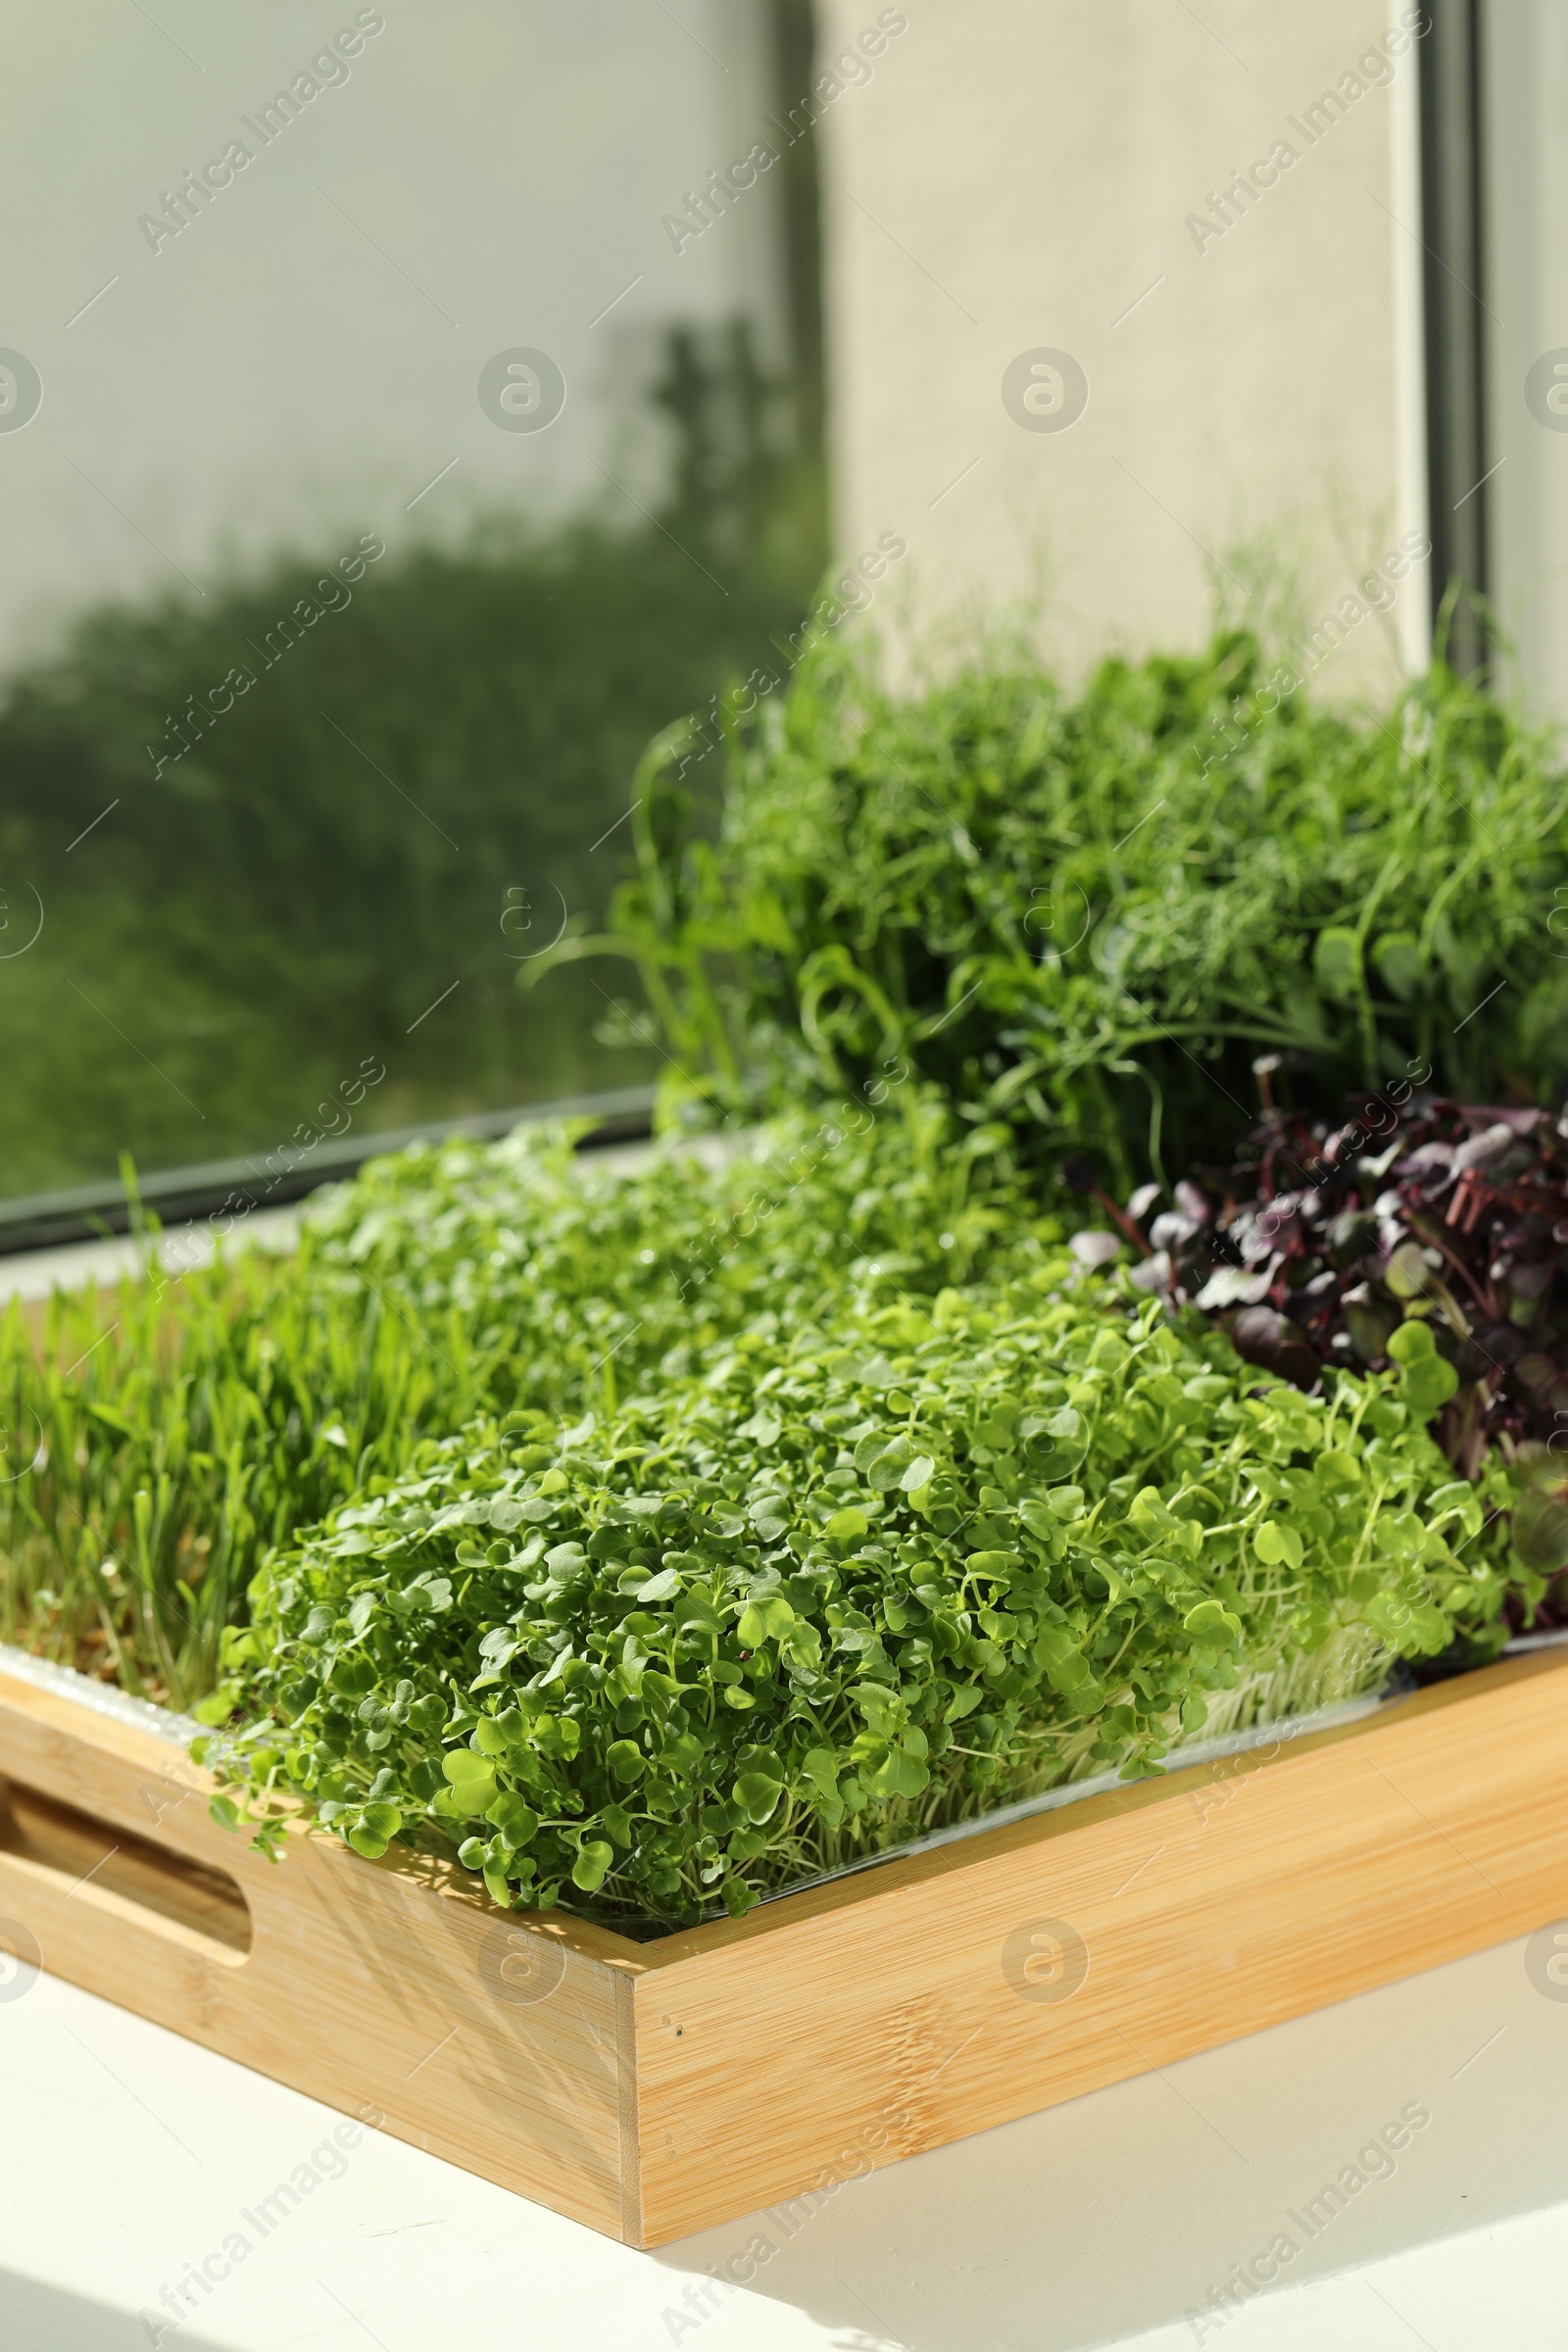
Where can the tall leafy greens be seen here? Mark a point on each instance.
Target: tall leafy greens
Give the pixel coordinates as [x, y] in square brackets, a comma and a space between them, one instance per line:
[1086, 916]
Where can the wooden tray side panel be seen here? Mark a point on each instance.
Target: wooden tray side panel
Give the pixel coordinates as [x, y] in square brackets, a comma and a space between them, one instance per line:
[387, 1992]
[650, 2092]
[772, 2066]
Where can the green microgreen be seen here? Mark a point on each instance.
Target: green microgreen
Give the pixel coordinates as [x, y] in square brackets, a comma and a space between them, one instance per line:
[156, 1440]
[1086, 915]
[845, 1578]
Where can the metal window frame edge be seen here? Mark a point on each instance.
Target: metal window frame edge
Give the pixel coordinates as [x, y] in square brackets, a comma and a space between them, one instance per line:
[183, 1195]
[1453, 308]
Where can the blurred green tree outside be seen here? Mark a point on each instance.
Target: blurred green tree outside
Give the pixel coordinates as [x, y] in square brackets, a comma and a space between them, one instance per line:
[415, 792]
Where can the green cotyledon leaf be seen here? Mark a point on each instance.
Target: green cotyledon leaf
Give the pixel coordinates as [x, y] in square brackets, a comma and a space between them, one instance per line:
[1212, 1625]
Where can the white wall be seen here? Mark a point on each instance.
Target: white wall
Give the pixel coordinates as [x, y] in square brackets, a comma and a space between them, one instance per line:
[1020, 175]
[281, 371]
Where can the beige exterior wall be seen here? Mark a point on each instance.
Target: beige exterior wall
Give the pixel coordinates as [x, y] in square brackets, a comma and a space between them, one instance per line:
[1018, 174]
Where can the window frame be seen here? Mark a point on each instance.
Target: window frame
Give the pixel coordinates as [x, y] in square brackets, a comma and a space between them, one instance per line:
[1452, 235]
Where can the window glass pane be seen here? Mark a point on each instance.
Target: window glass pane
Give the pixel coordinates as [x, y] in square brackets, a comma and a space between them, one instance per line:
[1524, 216]
[403, 414]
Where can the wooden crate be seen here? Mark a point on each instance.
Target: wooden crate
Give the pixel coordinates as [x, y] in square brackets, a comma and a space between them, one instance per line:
[652, 2089]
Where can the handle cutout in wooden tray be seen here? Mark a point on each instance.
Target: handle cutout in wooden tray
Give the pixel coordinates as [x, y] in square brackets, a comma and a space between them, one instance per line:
[81, 1852]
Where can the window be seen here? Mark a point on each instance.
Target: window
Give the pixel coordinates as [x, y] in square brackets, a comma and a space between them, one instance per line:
[403, 415]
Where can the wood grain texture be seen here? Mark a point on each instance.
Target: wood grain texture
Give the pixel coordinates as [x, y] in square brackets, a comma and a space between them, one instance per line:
[654, 2089]
[388, 1991]
[843, 2028]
